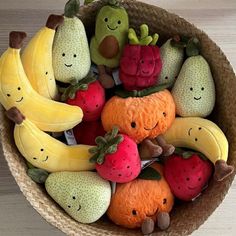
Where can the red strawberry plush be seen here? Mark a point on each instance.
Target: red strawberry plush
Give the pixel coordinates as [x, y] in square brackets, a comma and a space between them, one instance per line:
[187, 174]
[89, 95]
[116, 157]
[86, 132]
[140, 64]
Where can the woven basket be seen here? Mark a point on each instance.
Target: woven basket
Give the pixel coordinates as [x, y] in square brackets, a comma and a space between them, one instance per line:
[185, 218]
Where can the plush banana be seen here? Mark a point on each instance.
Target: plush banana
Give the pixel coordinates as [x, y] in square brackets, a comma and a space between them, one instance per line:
[15, 90]
[204, 136]
[45, 152]
[37, 59]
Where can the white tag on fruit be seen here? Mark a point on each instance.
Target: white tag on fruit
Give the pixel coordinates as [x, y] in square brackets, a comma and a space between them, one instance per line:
[147, 163]
[70, 138]
[116, 77]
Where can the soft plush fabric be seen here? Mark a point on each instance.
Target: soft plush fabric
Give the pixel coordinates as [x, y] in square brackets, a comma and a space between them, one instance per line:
[83, 195]
[140, 117]
[140, 66]
[194, 89]
[140, 199]
[111, 34]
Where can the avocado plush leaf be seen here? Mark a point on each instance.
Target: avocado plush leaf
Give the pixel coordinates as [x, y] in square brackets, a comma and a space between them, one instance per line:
[150, 173]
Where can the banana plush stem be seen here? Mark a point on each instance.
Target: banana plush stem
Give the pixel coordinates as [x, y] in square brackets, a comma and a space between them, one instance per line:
[45, 152]
[37, 59]
[16, 90]
[105, 78]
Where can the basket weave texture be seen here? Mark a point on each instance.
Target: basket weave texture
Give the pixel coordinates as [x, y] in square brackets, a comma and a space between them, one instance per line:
[185, 218]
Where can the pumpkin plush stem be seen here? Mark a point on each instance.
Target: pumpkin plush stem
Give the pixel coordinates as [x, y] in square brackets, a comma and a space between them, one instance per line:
[105, 145]
[163, 220]
[222, 170]
[104, 77]
[145, 39]
[71, 8]
[148, 226]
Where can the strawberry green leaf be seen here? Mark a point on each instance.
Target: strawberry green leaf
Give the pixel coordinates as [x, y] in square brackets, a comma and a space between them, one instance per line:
[150, 173]
[38, 175]
[93, 150]
[94, 158]
[100, 159]
[111, 149]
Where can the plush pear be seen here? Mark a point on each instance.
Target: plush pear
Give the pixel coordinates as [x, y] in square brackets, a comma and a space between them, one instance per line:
[172, 56]
[85, 196]
[71, 56]
[194, 89]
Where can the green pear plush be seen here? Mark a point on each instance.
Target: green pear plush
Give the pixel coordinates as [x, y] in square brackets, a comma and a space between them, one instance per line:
[85, 196]
[111, 34]
[194, 89]
[71, 56]
[172, 57]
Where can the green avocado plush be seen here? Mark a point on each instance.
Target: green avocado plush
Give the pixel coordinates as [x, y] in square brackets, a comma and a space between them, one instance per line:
[194, 89]
[71, 55]
[111, 34]
[85, 196]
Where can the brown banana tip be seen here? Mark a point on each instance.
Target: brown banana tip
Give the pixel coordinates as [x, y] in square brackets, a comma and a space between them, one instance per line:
[222, 170]
[16, 39]
[15, 115]
[54, 21]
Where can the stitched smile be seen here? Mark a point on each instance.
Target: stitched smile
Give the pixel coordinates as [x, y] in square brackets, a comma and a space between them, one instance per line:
[153, 127]
[197, 98]
[79, 208]
[189, 131]
[45, 159]
[192, 188]
[20, 100]
[68, 65]
[111, 28]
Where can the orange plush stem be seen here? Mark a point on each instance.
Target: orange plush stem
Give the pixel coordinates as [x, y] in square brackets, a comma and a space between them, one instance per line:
[54, 21]
[15, 115]
[16, 39]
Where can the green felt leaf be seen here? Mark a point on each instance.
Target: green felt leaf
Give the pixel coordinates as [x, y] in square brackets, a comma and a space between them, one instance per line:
[38, 175]
[86, 2]
[150, 173]
[94, 158]
[193, 47]
[71, 8]
[93, 150]
[112, 149]
[30, 166]
[100, 140]
[100, 158]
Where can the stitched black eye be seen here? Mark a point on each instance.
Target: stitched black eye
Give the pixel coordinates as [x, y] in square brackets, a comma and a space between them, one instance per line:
[166, 77]
[69, 206]
[63, 54]
[35, 158]
[18, 88]
[196, 139]
[164, 201]
[191, 89]
[9, 95]
[133, 124]
[119, 22]
[75, 55]
[164, 114]
[199, 128]
[73, 197]
[106, 19]
[46, 73]
[134, 212]
[41, 149]
[202, 88]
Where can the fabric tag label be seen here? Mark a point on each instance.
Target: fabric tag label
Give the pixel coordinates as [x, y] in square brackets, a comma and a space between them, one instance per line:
[70, 138]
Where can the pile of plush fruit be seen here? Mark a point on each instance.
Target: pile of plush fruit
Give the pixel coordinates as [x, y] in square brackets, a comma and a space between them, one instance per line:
[135, 119]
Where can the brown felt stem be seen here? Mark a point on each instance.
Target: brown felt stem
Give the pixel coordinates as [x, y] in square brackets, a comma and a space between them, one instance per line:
[148, 150]
[168, 149]
[54, 21]
[16, 39]
[15, 115]
[105, 79]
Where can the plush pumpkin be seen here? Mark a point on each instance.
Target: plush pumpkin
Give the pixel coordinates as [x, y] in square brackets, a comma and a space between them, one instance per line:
[140, 117]
[136, 202]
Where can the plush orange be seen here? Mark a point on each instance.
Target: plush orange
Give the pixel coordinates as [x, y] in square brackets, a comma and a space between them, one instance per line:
[136, 201]
[140, 117]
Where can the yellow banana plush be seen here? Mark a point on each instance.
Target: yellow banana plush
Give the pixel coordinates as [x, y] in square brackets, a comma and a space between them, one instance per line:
[37, 59]
[15, 90]
[45, 152]
[204, 136]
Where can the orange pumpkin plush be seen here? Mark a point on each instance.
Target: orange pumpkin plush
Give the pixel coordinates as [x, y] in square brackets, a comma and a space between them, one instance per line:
[140, 117]
[142, 203]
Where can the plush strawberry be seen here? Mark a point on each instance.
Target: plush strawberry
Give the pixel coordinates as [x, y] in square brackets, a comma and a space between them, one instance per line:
[116, 157]
[140, 64]
[86, 132]
[89, 95]
[187, 173]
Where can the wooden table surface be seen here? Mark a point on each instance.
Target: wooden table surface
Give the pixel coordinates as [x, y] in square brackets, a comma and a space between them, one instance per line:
[216, 17]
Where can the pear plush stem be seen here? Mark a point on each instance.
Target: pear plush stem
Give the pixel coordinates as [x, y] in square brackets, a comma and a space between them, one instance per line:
[16, 39]
[71, 8]
[54, 21]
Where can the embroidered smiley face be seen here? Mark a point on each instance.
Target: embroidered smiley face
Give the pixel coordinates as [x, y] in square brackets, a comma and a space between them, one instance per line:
[13, 95]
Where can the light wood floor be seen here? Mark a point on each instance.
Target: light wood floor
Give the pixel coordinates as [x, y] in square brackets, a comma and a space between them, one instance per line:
[216, 17]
